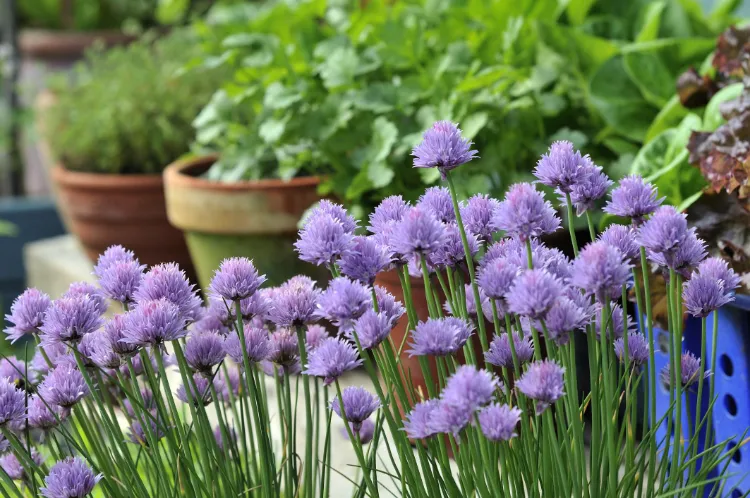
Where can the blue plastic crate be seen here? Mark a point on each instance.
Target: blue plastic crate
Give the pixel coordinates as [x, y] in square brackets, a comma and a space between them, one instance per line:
[731, 415]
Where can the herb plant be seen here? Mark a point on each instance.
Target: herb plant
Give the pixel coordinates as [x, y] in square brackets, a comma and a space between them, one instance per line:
[98, 409]
[129, 110]
[340, 90]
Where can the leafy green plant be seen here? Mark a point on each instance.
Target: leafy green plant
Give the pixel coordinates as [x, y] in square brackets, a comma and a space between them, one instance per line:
[341, 90]
[129, 110]
[84, 15]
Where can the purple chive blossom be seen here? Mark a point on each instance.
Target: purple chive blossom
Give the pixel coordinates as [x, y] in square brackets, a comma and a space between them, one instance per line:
[478, 215]
[688, 255]
[27, 314]
[525, 214]
[388, 305]
[236, 279]
[470, 388]
[332, 358]
[271, 369]
[120, 280]
[718, 269]
[437, 201]
[70, 478]
[15, 371]
[113, 254]
[314, 337]
[13, 467]
[560, 167]
[167, 281]
[152, 323]
[295, 302]
[418, 423]
[624, 239]
[219, 436]
[638, 351]
[703, 295]
[690, 370]
[451, 253]
[284, 349]
[257, 346]
[533, 293]
[615, 322]
[450, 419]
[343, 302]
[591, 188]
[669, 242]
[323, 240]
[12, 403]
[54, 352]
[359, 404]
[371, 329]
[138, 433]
[564, 317]
[414, 265]
[498, 422]
[64, 386]
[418, 232]
[335, 211]
[90, 290]
[600, 270]
[364, 260]
[444, 148]
[205, 350]
[542, 382]
[231, 385]
[439, 336]
[149, 403]
[43, 414]
[68, 319]
[201, 393]
[496, 277]
[100, 350]
[390, 210]
[633, 198]
[365, 433]
[500, 354]
[114, 329]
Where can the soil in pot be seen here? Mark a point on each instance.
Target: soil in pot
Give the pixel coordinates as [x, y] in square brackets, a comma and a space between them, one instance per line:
[253, 219]
[103, 210]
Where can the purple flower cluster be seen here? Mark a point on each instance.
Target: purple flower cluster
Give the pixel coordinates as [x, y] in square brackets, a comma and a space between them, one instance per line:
[27, 314]
[70, 478]
[668, 241]
[542, 382]
[710, 287]
[524, 213]
[440, 336]
[358, 403]
[327, 234]
[444, 148]
[331, 359]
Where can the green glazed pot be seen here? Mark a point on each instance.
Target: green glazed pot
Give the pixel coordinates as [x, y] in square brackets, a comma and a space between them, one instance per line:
[252, 219]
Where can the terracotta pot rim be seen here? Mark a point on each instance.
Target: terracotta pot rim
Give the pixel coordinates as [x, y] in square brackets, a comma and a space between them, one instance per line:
[80, 179]
[184, 173]
[67, 44]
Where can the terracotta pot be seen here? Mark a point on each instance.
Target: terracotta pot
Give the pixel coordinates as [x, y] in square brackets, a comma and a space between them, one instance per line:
[120, 209]
[254, 219]
[66, 46]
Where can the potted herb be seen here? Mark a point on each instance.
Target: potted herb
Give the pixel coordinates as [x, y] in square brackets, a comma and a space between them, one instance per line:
[113, 130]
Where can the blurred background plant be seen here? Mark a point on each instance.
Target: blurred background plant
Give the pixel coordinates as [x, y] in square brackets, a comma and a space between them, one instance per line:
[86, 15]
[346, 95]
[129, 110]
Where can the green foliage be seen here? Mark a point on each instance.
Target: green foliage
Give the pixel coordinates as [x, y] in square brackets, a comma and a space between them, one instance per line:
[7, 228]
[345, 91]
[105, 14]
[129, 110]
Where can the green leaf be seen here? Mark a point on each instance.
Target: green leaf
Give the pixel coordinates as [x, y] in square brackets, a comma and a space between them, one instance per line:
[379, 174]
[712, 118]
[473, 124]
[486, 78]
[384, 135]
[651, 76]
[669, 115]
[280, 97]
[651, 22]
[578, 9]
[339, 67]
[272, 129]
[429, 175]
[576, 137]
[620, 101]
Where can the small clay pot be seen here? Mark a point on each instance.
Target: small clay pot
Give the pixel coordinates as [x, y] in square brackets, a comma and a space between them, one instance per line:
[253, 219]
[103, 210]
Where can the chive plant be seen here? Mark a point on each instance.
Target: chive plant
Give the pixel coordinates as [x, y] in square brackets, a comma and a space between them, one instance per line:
[175, 397]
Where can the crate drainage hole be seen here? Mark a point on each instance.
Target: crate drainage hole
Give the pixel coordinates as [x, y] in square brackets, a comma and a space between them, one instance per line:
[737, 493]
[736, 455]
[726, 365]
[663, 341]
[730, 404]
